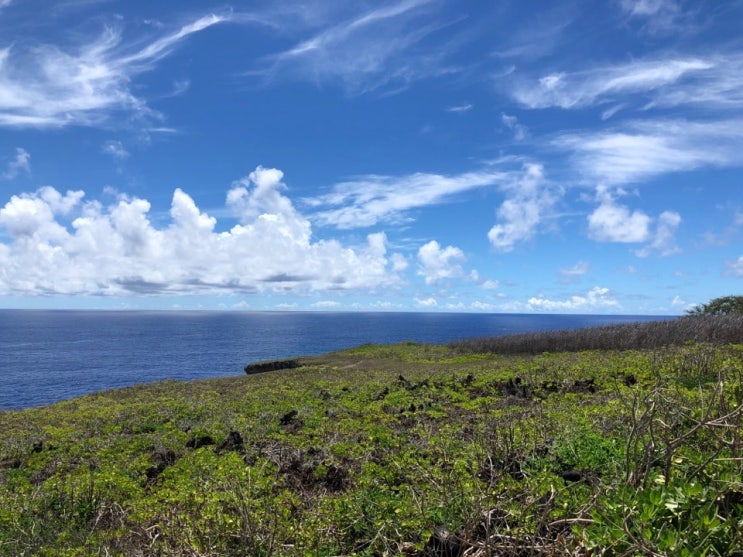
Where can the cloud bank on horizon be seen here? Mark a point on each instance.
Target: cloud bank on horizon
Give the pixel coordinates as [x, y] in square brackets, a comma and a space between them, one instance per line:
[403, 155]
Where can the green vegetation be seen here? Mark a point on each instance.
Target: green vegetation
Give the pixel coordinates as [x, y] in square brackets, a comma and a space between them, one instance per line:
[394, 450]
[725, 305]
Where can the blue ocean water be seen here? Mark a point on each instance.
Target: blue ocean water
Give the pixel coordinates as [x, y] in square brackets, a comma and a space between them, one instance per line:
[47, 356]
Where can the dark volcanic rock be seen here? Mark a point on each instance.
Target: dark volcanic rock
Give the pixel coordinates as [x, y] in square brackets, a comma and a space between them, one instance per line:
[289, 417]
[272, 365]
[162, 459]
[234, 442]
[197, 442]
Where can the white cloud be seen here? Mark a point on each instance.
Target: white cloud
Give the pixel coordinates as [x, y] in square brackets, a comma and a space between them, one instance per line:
[712, 81]
[373, 50]
[646, 149]
[115, 149]
[595, 298]
[611, 222]
[20, 163]
[49, 86]
[62, 244]
[528, 199]
[461, 108]
[426, 303]
[481, 306]
[577, 270]
[736, 266]
[660, 15]
[370, 199]
[436, 264]
[648, 7]
[490, 284]
[512, 123]
[326, 304]
[663, 241]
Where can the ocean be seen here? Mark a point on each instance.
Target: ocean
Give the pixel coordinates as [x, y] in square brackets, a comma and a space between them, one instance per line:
[48, 356]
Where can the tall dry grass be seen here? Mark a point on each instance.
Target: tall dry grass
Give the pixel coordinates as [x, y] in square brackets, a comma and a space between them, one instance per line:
[715, 329]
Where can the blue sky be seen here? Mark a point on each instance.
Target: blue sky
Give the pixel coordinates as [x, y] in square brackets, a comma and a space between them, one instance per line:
[409, 155]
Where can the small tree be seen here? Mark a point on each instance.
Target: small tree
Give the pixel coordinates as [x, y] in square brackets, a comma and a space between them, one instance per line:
[725, 305]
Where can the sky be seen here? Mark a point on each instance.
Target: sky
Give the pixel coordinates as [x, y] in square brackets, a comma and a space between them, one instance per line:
[403, 155]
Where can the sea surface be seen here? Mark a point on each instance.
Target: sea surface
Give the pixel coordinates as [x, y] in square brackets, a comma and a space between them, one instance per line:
[48, 356]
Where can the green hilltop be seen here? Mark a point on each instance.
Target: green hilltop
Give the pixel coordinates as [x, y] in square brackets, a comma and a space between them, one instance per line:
[481, 448]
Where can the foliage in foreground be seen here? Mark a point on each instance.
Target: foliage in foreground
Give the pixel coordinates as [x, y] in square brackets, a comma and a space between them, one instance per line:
[717, 329]
[388, 450]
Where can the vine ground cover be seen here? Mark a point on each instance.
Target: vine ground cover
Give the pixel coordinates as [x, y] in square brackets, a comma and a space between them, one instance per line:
[387, 450]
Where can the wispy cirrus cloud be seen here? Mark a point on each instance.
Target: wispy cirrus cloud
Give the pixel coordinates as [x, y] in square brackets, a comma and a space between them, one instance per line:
[658, 16]
[380, 49]
[655, 81]
[640, 150]
[49, 85]
[713, 81]
[370, 199]
[460, 108]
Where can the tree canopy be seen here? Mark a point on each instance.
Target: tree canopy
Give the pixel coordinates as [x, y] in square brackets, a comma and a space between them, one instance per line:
[724, 305]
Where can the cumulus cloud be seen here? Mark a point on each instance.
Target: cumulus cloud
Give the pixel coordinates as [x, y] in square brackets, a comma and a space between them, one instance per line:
[47, 85]
[612, 222]
[435, 263]
[596, 298]
[663, 242]
[527, 201]
[21, 163]
[426, 302]
[64, 244]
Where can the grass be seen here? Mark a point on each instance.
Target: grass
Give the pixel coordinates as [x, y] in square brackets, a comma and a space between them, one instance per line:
[395, 450]
[716, 329]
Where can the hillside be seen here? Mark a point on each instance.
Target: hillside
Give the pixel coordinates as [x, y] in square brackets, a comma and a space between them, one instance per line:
[387, 450]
